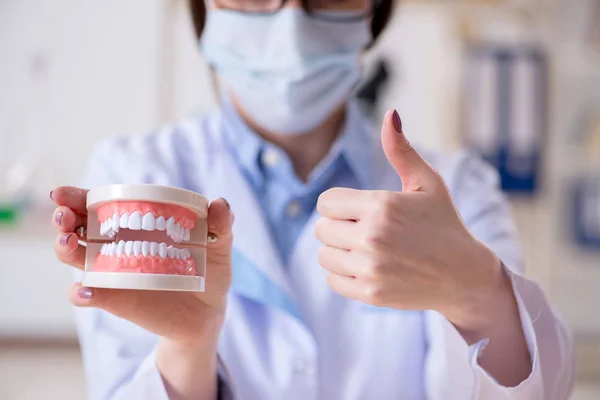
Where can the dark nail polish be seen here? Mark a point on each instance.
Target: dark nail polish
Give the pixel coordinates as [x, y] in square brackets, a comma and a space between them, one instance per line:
[58, 217]
[397, 122]
[64, 240]
[51, 197]
[85, 293]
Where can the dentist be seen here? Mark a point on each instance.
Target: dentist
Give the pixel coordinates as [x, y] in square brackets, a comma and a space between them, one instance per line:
[357, 267]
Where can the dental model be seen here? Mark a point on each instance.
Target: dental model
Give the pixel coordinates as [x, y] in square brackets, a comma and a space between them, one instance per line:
[146, 237]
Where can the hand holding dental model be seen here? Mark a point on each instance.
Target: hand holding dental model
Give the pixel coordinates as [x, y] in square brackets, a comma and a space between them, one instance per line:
[144, 237]
[187, 322]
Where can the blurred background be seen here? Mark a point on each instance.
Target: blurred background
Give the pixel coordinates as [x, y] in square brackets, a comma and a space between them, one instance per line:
[517, 80]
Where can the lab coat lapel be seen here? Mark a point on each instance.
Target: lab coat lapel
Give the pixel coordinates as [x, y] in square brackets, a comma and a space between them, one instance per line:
[253, 246]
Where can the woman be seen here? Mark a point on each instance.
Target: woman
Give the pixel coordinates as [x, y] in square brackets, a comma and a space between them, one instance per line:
[360, 269]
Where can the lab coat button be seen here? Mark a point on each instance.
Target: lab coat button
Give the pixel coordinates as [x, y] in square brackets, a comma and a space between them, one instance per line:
[270, 158]
[294, 209]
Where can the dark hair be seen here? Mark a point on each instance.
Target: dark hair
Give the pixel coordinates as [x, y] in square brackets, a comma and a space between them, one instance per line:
[381, 15]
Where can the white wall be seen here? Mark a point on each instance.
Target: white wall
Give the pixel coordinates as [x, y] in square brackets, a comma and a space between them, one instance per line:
[75, 71]
[423, 46]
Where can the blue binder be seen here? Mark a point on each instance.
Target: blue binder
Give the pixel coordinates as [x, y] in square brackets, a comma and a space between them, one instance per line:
[585, 208]
[506, 112]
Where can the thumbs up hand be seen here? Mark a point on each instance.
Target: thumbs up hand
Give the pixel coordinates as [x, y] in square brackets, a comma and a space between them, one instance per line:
[408, 250]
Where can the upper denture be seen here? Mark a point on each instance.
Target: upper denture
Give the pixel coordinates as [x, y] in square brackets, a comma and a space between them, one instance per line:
[175, 220]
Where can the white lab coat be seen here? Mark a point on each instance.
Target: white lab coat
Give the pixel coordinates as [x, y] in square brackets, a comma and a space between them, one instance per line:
[287, 335]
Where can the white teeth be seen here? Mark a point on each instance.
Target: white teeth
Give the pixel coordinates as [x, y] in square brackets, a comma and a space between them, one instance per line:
[148, 222]
[128, 248]
[161, 224]
[124, 220]
[135, 221]
[145, 248]
[137, 248]
[106, 228]
[110, 227]
[170, 225]
[175, 231]
[115, 222]
[120, 248]
[162, 250]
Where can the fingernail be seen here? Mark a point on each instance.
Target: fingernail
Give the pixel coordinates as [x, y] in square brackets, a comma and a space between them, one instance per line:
[85, 293]
[64, 240]
[397, 122]
[228, 205]
[58, 217]
[51, 197]
[73, 191]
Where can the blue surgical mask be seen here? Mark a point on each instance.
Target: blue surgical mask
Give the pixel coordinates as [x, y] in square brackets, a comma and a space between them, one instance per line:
[289, 71]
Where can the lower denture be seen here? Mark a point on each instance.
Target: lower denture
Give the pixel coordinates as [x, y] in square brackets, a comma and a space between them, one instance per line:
[149, 264]
[146, 265]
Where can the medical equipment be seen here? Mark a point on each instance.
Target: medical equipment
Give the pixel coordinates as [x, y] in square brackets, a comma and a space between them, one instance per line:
[146, 237]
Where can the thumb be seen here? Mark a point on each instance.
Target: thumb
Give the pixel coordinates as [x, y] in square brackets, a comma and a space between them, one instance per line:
[415, 172]
[220, 223]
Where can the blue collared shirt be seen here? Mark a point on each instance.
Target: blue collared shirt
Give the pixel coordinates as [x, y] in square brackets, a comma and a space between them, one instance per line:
[286, 201]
